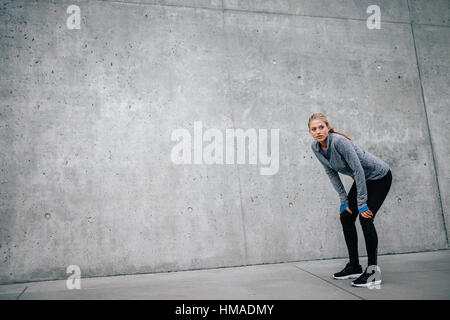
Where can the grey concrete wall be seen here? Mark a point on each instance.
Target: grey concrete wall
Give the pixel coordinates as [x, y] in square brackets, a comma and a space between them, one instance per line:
[86, 120]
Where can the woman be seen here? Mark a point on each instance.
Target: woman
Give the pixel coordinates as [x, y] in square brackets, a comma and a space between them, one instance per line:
[372, 181]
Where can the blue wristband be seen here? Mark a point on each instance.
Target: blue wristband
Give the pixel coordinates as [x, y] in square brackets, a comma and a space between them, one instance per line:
[343, 207]
[365, 208]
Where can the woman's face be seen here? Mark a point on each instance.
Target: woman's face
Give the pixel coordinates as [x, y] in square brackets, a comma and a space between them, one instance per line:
[319, 130]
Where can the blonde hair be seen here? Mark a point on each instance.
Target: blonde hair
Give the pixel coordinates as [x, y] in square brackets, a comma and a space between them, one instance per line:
[322, 117]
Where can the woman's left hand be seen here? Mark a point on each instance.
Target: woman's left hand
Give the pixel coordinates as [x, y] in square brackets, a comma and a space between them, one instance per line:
[367, 214]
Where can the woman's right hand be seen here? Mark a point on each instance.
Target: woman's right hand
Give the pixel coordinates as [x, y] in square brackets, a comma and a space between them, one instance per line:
[344, 207]
[348, 209]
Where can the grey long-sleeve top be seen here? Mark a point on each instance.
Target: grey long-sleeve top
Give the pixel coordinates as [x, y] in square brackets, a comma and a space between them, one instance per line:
[349, 159]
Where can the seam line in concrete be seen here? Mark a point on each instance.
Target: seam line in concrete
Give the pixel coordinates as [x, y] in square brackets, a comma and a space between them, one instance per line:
[256, 11]
[309, 16]
[416, 271]
[428, 128]
[429, 25]
[18, 297]
[237, 165]
[242, 214]
[347, 291]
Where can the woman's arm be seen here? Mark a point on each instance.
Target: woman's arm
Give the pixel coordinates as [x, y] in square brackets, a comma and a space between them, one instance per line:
[335, 181]
[346, 149]
[337, 184]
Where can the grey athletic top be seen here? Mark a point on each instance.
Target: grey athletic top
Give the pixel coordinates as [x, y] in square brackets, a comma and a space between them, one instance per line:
[349, 159]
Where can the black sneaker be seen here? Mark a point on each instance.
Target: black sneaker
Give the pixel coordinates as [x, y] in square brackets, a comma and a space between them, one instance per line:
[349, 272]
[363, 280]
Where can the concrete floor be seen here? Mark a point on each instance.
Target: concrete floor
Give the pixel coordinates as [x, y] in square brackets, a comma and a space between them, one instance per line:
[423, 275]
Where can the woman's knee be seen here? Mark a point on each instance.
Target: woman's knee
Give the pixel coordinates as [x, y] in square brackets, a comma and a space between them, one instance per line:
[365, 222]
[346, 218]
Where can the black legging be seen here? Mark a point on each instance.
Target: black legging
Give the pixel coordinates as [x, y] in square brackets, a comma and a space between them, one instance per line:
[377, 191]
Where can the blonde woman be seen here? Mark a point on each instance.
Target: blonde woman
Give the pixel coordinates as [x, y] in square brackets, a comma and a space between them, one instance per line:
[372, 181]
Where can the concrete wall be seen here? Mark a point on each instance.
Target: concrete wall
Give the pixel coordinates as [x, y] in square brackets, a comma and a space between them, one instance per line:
[86, 119]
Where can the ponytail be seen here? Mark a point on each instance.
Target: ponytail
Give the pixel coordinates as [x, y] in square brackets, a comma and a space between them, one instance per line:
[333, 131]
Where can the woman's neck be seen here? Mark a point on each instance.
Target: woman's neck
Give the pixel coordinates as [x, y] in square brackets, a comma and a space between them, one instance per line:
[324, 144]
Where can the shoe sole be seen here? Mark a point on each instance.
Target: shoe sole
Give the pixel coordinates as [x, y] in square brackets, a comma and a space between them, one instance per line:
[366, 285]
[350, 276]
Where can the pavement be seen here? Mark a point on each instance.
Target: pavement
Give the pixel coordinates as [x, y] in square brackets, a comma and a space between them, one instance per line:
[410, 276]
